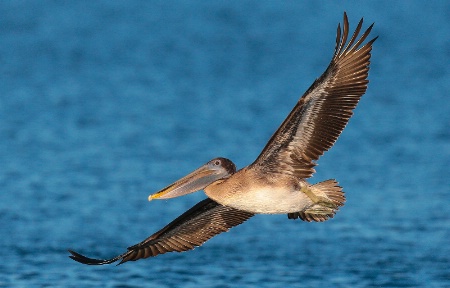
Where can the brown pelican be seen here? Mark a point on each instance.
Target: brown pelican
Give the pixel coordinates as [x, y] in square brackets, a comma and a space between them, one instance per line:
[275, 183]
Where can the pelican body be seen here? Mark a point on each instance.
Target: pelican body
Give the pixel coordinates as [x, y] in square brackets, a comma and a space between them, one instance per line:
[253, 191]
[275, 183]
[257, 192]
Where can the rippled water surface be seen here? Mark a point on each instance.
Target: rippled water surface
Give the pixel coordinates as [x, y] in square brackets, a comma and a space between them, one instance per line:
[103, 103]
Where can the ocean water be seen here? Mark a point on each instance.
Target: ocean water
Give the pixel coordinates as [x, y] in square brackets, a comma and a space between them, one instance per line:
[103, 103]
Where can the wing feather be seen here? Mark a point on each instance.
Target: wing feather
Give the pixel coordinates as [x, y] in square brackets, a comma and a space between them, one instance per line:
[194, 227]
[321, 114]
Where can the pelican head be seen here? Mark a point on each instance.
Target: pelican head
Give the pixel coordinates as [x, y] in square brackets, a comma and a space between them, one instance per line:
[216, 169]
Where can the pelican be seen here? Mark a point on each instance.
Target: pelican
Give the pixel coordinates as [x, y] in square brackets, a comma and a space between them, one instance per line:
[275, 182]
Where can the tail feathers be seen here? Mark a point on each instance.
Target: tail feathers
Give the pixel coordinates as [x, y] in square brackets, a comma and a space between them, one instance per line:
[331, 198]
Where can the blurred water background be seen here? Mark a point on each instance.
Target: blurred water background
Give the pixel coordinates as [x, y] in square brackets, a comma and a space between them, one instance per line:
[102, 103]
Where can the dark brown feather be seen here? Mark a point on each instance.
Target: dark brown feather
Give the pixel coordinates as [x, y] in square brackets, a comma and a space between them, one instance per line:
[321, 114]
[194, 227]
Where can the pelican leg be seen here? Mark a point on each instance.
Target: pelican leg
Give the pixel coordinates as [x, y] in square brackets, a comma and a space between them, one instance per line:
[322, 201]
[327, 197]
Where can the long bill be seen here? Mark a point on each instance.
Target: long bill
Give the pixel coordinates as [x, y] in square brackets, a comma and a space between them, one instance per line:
[197, 180]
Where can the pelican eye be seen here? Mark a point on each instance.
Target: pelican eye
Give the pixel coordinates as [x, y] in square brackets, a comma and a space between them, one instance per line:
[217, 162]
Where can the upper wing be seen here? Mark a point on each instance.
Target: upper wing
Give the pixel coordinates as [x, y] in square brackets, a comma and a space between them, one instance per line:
[322, 112]
[194, 227]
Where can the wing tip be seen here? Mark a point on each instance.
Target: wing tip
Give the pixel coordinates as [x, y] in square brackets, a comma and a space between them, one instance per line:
[342, 47]
[92, 261]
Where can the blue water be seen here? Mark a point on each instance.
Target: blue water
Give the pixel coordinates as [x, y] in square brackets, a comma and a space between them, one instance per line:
[103, 103]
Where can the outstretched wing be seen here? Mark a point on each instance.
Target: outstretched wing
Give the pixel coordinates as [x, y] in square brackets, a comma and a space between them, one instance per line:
[322, 112]
[194, 227]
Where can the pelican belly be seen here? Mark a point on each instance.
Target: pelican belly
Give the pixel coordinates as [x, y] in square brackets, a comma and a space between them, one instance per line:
[270, 201]
[259, 194]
